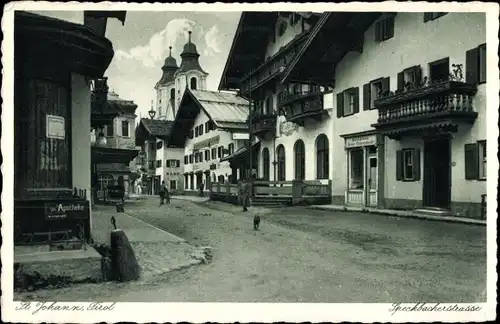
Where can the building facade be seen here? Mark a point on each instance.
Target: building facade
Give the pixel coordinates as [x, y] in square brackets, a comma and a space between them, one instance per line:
[119, 134]
[410, 129]
[292, 119]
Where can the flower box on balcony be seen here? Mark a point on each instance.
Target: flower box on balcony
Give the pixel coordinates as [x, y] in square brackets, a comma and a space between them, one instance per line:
[431, 90]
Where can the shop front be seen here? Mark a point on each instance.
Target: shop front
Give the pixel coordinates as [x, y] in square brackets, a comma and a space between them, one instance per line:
[364, 160]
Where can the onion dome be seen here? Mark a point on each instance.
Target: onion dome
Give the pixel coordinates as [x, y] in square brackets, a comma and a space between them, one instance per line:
[190, 58]
[169, 68]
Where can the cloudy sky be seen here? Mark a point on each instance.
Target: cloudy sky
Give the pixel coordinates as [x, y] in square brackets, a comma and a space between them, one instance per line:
[141, 46]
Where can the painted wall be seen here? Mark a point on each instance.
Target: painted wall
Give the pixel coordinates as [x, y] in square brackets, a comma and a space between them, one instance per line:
[173, 173]
[163, 108]
[414, 43]
[118, 140]
[160, 156]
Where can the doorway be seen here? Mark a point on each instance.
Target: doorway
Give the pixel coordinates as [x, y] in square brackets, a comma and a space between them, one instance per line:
[156, 185]
[437, 173]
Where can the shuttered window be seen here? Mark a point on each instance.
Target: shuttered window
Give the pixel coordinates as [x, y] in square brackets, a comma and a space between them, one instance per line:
[214, 154]
[322, 157]
[475, 161]
[348, 102]
[374, 90]
[125, 128]
[384, 28]
[475, 65]
[186, 159]
[408, 164]
[42, 161]
[409, 78]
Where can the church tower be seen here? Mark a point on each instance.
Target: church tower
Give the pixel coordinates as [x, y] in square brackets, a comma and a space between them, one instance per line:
[165, 90]
[190, 74]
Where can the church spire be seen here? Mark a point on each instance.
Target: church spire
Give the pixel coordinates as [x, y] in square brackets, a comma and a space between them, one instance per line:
[190, 57]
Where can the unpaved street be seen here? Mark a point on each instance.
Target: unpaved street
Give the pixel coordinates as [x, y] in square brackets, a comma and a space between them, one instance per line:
[303, 255]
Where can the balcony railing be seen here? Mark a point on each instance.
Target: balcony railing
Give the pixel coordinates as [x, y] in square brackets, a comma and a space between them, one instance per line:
[298, 106]
[263, 123]
[439, 99]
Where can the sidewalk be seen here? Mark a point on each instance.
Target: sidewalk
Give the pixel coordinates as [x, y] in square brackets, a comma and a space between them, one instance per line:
[402, 213]
[192, 198]
[157, 251]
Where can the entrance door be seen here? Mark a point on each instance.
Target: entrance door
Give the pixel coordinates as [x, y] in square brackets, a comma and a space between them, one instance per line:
[372, 179]
[437, 173]
[156, 186]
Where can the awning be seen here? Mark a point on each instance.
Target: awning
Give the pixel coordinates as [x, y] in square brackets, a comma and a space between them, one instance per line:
[444, 126]
[241, 153]
[112, 155]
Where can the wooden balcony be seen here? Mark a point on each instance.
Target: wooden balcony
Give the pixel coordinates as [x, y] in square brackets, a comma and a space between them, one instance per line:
[301, 105]
[439, 103]
[263, 123]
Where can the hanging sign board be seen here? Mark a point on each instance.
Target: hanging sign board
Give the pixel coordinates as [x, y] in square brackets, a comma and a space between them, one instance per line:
[55, 127]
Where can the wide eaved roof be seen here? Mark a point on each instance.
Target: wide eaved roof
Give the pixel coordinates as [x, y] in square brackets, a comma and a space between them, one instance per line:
[157, 128]
[225, 109]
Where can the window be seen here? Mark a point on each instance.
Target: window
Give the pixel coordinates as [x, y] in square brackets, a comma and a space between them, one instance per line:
[190, 158]
[125, 128]
[373, 90]
[173, 184]
[409, 78]
[172, 93]
[196, 158]
[408, 164]
[482, 63]
[201, 156]
[191, 134]
[230, 148]
[348, 102]
[384, 28]
[207, 155]
[159, 145]
[152, 146]
[206, 127]
[322, 157]
[158, 163]
[151, 164]
[193, 82]
[281, 159]
[214, 154]
[201, 130]
[433, 15]
[300, 160]
[356, 169]
[186, 159]
[440, 70]
[173, 163]
[265, 163]
[105, 180]
[109, 130]
[475, 161]
[219, 152]
[196, 131]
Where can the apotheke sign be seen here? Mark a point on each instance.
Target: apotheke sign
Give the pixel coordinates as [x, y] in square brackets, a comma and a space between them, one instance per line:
[64, 210]
[360, 141]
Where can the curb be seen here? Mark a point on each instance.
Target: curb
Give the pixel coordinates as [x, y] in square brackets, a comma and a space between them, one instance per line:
[179, 239]
[405, 214]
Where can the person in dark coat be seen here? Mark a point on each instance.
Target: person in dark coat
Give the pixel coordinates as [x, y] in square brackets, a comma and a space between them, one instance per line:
[202, 185]
[162, 193]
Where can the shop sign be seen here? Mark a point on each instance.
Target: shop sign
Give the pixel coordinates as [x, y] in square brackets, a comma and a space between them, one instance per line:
[360, 141]
[55, 127]
[64, 210]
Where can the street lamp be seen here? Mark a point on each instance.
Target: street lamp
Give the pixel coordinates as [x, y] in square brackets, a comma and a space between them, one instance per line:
[101, 139]
[151, 112]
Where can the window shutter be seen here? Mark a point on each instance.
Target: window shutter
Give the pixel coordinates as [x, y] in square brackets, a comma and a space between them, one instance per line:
[401, 81]
[340, 105]
[178, 163]
[416, 164]
[399, 165]
[471, 162]
[390, 27]
[356, 99]
[427, 16]
[472, 66]
[377, 31]
[386, 85]
[366, 96]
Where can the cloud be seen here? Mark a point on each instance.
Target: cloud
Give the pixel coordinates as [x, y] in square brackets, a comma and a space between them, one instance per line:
[212, 41]
[157, 48]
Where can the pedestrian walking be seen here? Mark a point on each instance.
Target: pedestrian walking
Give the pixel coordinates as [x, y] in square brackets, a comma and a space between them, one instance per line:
[202, 185]
[243, 192]
[162, 193]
